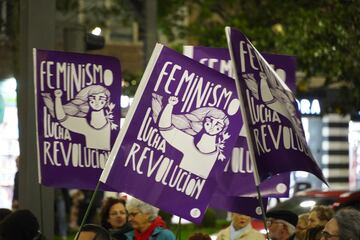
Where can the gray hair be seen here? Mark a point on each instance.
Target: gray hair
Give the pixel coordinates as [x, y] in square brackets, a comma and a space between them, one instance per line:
[143, 208]
[348, 220]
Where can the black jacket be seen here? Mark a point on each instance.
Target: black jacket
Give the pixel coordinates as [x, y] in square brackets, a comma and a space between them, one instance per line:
[119, 234]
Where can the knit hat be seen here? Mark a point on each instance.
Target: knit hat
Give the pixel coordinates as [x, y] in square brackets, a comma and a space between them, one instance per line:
[284, 215]
[19, 225]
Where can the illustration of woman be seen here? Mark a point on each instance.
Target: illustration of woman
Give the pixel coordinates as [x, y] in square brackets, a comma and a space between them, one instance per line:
[277, 97]
[85, 114]
[280, 100]
[199, 135]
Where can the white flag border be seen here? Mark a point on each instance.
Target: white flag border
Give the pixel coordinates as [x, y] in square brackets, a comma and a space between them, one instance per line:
[243, 113]
[188, 50]
[35, 51]
[140, 90]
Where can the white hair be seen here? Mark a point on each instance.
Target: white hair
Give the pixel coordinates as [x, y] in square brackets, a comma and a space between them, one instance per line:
[143, 207]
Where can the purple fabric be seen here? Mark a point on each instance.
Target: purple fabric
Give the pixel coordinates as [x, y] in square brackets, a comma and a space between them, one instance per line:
[76, 130]
[179, 131]
[249, 206]
[275, 130]
[238, 177]
[219, 59]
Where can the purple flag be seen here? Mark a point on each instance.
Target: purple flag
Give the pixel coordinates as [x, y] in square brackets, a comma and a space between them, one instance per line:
[219, 59]
[78, 116]
[243, 205]
[179, 131]
[275, 134]
[238, 177]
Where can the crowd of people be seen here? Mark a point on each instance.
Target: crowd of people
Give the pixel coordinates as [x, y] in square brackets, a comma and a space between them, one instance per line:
[321, 223]
[133, 219]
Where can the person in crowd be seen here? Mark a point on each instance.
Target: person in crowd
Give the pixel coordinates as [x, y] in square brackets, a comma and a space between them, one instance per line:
[4, 212]
[20, 225]
[199, 236]
[84, 203]
[114, 218]
[314, 233]
[240, 228]
[76, 196]
[301, 226]
[93, 232]
[62, 206]
[281, 224]
[320, 215]
[345, 225]
[146, 223]
[15, 200]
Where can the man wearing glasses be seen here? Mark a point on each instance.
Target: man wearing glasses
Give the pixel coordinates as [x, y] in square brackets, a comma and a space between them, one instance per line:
[281, 224]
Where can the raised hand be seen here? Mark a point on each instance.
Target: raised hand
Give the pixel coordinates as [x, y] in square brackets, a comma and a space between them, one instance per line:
[173, 100]
[58, 93]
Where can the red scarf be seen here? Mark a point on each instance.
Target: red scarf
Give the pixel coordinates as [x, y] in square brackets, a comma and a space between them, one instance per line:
[158, 222]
